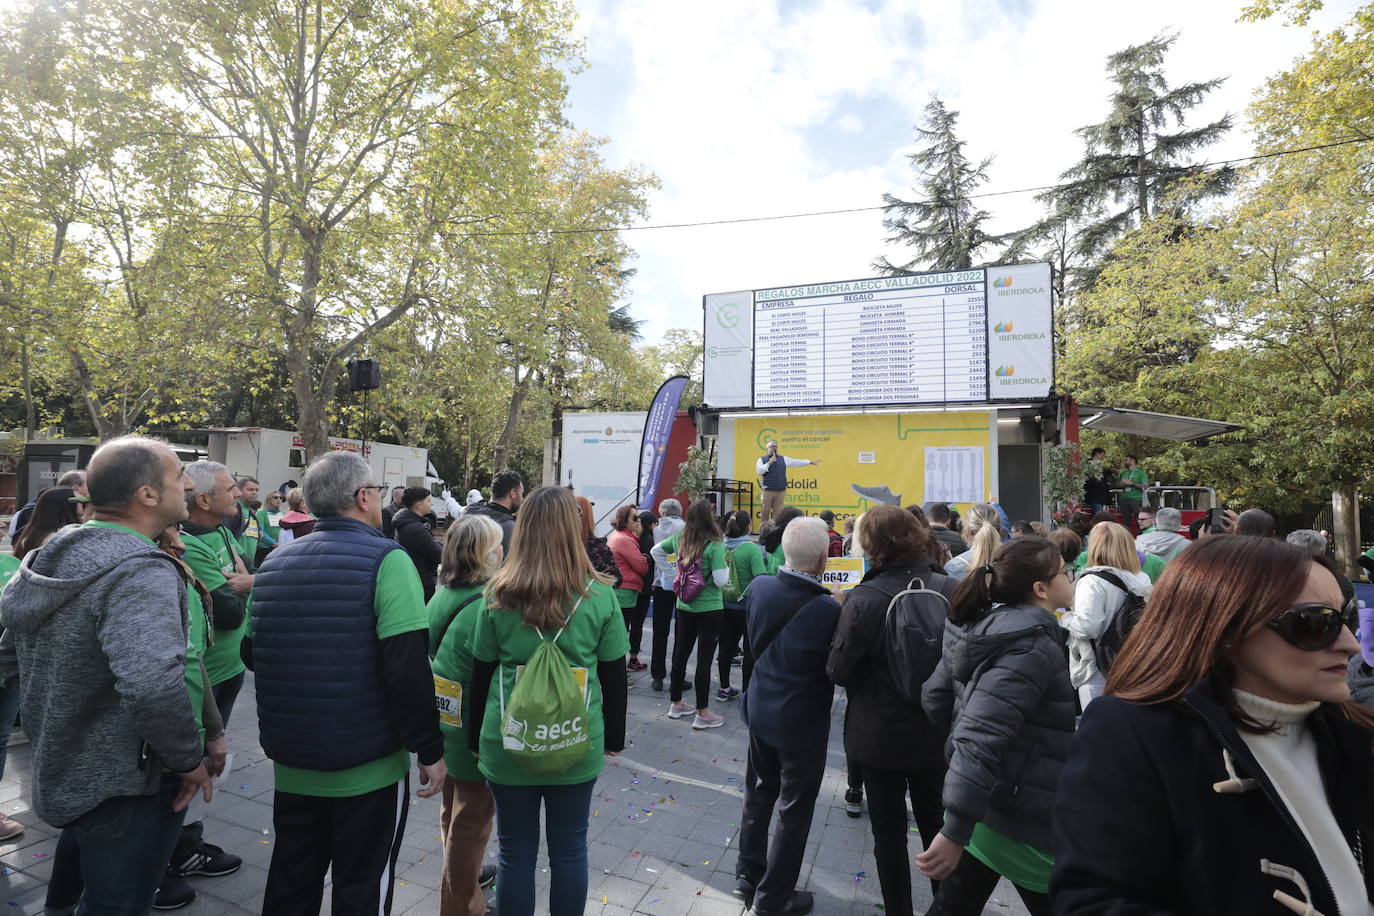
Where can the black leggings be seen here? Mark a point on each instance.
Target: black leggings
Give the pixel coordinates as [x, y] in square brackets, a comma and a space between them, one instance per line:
[731, 633]
[970, 885]
[887, 814]
[634, 622]
[700, 629]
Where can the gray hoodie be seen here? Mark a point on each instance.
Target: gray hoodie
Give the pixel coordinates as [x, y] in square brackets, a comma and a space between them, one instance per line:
[95, 629]
[1164, 544]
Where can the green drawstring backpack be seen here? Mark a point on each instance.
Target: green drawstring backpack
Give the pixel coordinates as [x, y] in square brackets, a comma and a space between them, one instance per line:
[544, 726]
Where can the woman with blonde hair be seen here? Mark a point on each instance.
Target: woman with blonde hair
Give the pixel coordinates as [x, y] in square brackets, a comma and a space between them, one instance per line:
[472, 552]
[546, 590]
[983, 533]
[297, 522]
[1113, 573]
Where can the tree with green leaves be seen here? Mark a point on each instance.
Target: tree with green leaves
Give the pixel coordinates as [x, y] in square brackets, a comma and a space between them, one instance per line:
[1140, 161]
[943, 227]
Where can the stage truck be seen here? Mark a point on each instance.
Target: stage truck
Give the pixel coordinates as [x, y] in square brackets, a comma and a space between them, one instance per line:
[275, 456]
[910, 390]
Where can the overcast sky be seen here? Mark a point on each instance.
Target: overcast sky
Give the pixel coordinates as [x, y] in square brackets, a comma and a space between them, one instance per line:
[758, 107]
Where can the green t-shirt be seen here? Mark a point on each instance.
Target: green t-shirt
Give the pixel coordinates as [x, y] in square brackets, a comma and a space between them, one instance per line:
[750, 563]
[195, 650]
[269, 525]
[772, 560]
[451, 650]
[712, 558]
[400, 606]
[115, 526]
[8, 567]
[626, 597]
[1136, 476]
[595, 633]
[252, 534]
[1020, 863]
[1153, 566]
[211, 558]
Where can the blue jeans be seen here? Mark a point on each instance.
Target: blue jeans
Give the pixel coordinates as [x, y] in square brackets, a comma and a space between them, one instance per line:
[9, 711]
[566, 811]
[112, 858]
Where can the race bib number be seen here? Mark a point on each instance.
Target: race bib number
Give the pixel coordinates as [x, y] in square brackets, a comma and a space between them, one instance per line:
[448, 699]
[579, 674]
[843, 572]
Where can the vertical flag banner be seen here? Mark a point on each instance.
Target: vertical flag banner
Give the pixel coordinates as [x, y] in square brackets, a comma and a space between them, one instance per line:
[658, 426]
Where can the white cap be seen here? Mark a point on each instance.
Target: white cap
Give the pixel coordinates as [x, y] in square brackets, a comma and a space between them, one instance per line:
[474, 497]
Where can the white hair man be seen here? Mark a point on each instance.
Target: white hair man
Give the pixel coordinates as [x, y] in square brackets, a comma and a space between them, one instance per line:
[792, 618]
[342, 608]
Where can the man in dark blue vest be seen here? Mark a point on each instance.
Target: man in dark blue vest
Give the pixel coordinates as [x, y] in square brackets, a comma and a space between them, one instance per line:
[345, 695]
[772, 468]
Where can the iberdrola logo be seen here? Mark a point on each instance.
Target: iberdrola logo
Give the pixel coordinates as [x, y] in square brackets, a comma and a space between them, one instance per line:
[1005, 371]
[1004, 327]
[1001, 282]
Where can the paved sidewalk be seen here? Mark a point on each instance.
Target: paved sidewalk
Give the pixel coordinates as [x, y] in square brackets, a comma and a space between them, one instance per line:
[665, 821]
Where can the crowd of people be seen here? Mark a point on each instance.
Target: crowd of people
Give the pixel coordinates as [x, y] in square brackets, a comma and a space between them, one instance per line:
[1116, 718]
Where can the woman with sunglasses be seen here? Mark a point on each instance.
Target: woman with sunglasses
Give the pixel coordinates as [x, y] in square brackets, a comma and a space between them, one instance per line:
[1225, 770]
[1002, 688]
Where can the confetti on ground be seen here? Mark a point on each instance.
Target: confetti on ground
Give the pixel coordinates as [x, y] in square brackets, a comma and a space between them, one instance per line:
[859, 875]
[40, 855]
[596, 813]
[603, 899]
[7, 872]
[243, 787]
[706, 863]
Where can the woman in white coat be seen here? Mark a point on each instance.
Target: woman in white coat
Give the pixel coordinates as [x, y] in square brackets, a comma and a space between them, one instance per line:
[1111, 552]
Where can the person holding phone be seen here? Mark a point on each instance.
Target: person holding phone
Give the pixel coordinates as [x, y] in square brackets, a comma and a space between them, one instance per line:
[772, 468]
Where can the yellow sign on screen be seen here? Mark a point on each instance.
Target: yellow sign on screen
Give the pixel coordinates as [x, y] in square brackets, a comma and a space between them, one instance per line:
[866, 459]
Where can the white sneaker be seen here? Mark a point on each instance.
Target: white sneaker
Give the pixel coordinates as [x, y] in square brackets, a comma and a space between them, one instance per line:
[679, 711]
[9, 827]
[708, 719]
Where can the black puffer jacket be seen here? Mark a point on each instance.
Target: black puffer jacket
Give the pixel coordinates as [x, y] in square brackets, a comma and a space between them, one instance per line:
[1142, 828]
[416, 535]
[1003, 690]
[881, 729]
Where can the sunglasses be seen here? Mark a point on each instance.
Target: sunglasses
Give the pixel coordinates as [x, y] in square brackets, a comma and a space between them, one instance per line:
[1313, 627]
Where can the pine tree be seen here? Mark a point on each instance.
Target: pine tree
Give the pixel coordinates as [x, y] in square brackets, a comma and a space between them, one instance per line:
[945, 228]
[1133, 168]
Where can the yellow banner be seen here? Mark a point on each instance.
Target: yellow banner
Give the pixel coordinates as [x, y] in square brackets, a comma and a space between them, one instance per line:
[866, 459]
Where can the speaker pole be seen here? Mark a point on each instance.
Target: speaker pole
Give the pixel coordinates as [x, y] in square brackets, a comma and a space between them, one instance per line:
[364, 448]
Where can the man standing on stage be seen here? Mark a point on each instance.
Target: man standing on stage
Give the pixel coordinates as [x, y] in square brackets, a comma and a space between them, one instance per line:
[772, 467]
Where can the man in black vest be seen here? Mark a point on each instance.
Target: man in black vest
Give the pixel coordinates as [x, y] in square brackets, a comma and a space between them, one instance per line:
[345, 695]
[792, 619]
[772, 468]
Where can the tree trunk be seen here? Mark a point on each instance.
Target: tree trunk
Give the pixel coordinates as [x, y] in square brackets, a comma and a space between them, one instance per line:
[1142, 186]
[311, 422]
[26, 378]
[501, 454]
[1345, 520]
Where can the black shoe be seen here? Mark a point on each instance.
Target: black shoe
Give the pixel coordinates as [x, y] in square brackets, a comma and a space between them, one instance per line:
[657, 685]
[801, 903]
[488, 876]
[744, 890]
[853, 801]
[173, 893]
[206, 860]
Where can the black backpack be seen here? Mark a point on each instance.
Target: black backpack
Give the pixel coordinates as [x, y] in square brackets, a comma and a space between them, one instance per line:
[914, 628]
[1108, 646]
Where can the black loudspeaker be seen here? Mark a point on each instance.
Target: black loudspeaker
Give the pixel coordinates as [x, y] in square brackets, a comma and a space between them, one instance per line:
[364, 375]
